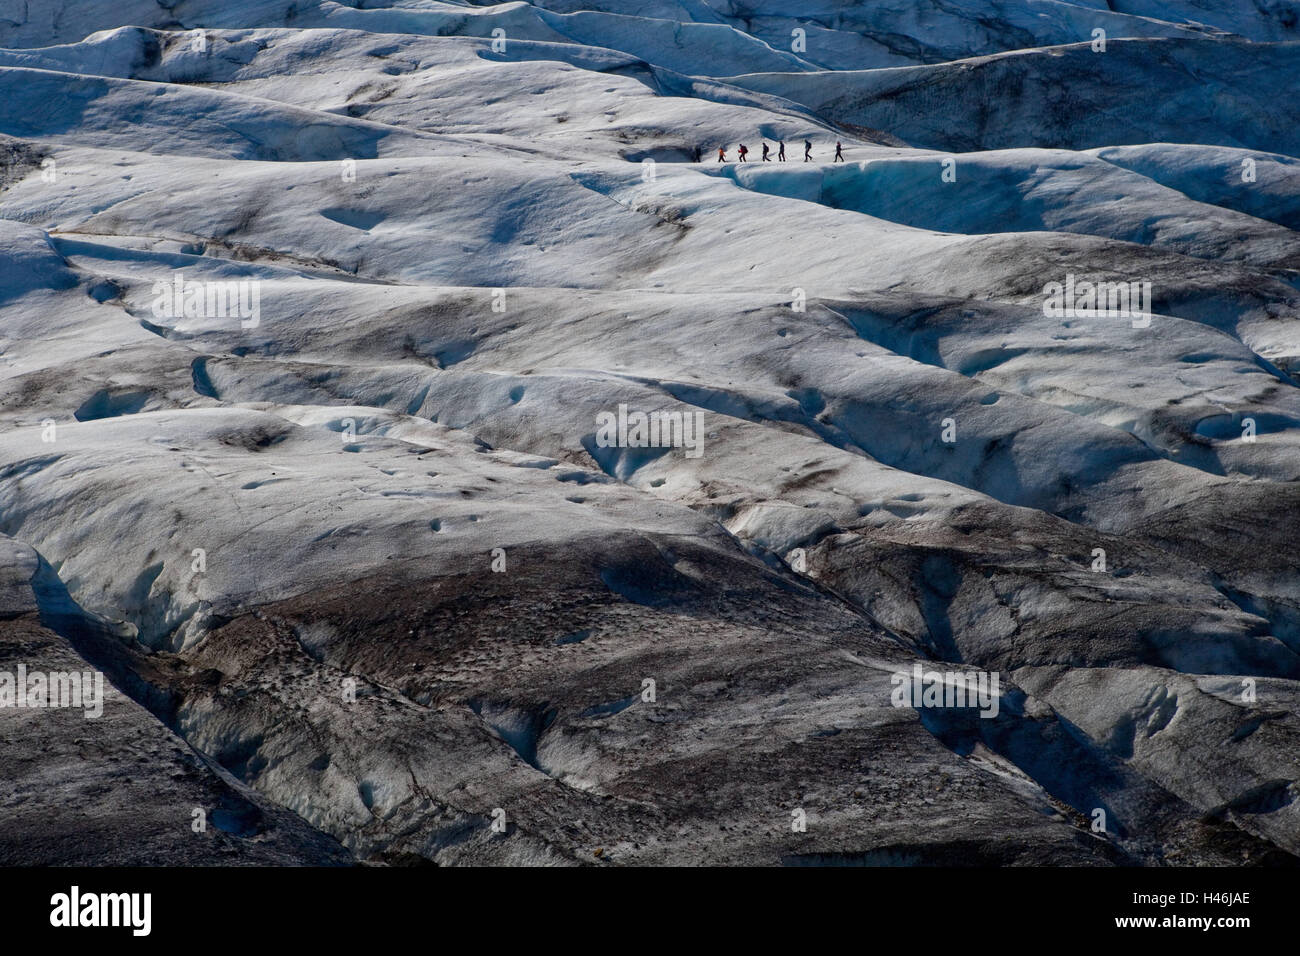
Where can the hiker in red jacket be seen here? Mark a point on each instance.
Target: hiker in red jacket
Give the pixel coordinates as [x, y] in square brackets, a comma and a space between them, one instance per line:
[743, 152]
[722, 154]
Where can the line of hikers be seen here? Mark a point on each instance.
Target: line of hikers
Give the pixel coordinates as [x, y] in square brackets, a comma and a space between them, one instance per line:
[742, 151]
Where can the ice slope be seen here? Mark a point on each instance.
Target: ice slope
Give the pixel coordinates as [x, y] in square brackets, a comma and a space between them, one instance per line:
[428, 593]
[1221, 176]
[840, 34]
[66, 799]
[1222, 92]
[1028, 190]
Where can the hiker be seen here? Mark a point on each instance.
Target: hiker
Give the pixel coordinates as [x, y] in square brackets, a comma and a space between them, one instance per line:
[807, 151]
[722, 154]
[839, 153]
[742, 152]
[695, 155]
[765, 152]
[780, 154]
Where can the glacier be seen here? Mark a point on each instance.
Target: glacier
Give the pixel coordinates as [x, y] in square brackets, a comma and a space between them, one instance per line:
[367, 577]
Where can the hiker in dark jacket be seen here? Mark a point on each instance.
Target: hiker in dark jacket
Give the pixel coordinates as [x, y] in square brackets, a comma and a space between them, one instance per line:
[695, 155]
[807, 151]
[742, 151]
[839, 153]
[765, 152]
[781, 152]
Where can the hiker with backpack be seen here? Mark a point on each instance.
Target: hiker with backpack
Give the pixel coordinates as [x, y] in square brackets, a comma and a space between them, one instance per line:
[765, 153]
[742, 151]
